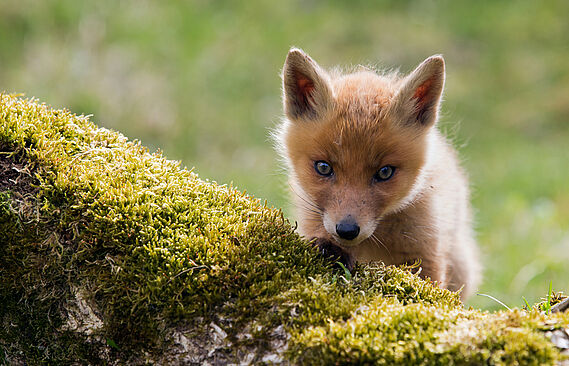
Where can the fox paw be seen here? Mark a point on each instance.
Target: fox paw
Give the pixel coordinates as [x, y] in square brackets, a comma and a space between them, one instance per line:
[333, 252]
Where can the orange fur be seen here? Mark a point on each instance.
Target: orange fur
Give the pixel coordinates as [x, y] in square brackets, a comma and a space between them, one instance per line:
[359, 123]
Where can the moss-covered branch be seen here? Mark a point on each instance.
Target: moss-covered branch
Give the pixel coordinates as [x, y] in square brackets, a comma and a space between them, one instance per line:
[111, 254]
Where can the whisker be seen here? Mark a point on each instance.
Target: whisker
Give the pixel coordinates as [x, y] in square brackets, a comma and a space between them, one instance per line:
[309, 210]
[315, 219]
[378, 242]
[408, 236]
[383, 220]
[307, 200]
[314, 216]
[311, 214]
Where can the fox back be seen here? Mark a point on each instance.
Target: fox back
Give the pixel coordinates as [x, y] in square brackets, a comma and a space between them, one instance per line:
[370, 172]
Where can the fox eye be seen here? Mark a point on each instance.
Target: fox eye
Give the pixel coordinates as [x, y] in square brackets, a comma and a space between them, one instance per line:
[323, 168]
[384, 173]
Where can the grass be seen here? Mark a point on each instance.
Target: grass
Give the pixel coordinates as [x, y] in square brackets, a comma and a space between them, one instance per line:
[199, 80]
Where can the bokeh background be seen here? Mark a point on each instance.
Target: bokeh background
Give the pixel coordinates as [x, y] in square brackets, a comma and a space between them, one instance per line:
[200, 81]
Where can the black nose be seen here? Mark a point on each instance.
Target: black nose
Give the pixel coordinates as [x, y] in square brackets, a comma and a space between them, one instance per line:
[347, 229]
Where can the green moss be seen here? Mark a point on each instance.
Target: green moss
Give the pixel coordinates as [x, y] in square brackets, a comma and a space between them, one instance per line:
[149, 246]
[387, 333]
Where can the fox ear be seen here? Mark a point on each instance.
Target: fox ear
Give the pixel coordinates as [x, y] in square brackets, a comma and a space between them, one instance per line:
[417, 100]
[306, 87]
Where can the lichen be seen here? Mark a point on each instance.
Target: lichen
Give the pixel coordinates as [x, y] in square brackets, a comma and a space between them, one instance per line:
[111, 254]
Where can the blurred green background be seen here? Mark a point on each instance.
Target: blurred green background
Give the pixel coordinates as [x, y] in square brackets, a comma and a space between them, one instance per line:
[200, 80]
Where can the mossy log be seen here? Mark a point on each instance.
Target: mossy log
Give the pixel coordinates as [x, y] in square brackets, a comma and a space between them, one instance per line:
[110, 254]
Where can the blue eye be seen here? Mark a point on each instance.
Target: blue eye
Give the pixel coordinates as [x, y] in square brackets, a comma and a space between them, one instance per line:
[385, 173]
[323, 168]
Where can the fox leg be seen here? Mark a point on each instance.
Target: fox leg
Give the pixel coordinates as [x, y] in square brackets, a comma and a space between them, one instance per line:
[334, 252]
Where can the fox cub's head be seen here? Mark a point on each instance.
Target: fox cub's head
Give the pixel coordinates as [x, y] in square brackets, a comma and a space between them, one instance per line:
[357, 145]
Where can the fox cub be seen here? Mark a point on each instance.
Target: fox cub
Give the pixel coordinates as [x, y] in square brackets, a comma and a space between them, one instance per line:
[373, 178]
